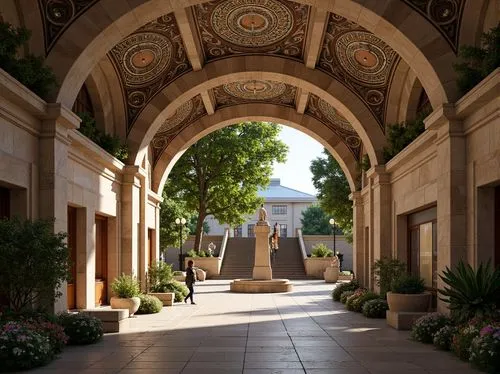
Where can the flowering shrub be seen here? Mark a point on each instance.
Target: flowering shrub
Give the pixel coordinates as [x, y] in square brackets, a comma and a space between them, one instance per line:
[345, 295]
[357, 305]
[375, 308]
[485, 349]
[351, 299]
[21, 348]
[424, 328]
[81, 328]
[462, 340]
[337, 291]
[442, 338]
[53, 331]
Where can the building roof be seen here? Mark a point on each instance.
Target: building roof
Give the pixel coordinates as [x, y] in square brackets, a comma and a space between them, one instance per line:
[276, 192]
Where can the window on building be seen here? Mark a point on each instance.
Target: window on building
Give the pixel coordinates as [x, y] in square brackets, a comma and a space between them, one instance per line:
[4, 203]
[279, 210]
[251, 230]
[422, 249]
[238, 231]
[283, 230]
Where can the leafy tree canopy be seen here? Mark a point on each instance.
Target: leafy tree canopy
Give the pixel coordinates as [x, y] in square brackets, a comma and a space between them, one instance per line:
[169, 230]
[333, 191]
[221, 173]
[316, 222]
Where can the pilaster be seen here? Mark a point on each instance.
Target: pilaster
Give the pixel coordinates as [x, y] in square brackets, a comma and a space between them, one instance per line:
[358, 250]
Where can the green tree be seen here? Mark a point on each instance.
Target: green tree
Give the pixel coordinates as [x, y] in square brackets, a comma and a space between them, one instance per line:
[221, 173]
[315, 221]
[170, 209]
[333, 191]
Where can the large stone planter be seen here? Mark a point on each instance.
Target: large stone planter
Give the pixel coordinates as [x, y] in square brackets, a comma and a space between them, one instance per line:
[331, 274]
[399, 302]
[211, 265]
[132, 304]
[167, 298]
[316, 266]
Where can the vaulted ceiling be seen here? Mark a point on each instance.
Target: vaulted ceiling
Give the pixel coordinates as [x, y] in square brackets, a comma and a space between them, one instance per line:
[160, 52]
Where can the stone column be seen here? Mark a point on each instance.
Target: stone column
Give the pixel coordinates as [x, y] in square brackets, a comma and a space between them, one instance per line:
[381, 216]
[262, 266]
[53, 163]
[85, 258]
[130, 217]
[452, 190]
[358, 250]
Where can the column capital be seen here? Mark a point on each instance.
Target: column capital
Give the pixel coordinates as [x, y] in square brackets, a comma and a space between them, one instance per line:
[378, 175]
[58, 113]
[356, 197]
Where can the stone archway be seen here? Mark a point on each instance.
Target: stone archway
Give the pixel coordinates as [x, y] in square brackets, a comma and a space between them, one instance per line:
[188, 134]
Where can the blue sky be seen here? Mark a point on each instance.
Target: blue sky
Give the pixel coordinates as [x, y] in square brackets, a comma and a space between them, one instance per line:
[302, 150]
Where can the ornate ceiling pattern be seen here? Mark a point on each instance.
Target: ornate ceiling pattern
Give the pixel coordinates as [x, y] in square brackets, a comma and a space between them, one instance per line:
[360, 60]
[57, 15]
[445, 15]
[253, 91]
[147, 61]
[186, 114]
[328, 115]
[229, 27]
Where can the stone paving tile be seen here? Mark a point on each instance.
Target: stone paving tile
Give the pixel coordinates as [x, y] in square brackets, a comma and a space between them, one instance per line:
[225, 333]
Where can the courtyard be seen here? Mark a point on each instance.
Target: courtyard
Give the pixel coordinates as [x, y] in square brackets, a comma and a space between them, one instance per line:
[299, 332]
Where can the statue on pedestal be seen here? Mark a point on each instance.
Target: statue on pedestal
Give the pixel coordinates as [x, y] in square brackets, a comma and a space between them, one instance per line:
[262, 216]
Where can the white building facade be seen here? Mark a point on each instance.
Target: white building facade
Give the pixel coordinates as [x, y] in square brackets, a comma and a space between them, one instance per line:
[284, 206]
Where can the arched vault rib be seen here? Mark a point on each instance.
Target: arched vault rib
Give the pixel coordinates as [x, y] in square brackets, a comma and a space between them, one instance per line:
[254, 112]
[93, 34]
[294, 73]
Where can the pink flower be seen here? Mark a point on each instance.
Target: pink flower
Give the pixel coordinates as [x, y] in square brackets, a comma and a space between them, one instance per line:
[487, 330]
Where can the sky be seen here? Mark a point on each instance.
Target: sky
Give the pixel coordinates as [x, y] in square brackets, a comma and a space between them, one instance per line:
[302, 149]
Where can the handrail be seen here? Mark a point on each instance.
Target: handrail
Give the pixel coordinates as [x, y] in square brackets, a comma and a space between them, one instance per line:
[224, 244]
[301, 244]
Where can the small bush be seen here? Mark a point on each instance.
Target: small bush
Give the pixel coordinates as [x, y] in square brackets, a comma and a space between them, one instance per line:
[485, 349]
[442, 338]
[462, 340]
[159, 273]
[126, 286]
[321, 250]
[408, 284]
[53, 331]
[357, 305]
[149, 304]
[385, 270]
[351, 286]
[375, 308]
[345, 295]
[22, 348]
[424, 328]
[81, 328]
[352, 299]
[180, 290]
[192, 253]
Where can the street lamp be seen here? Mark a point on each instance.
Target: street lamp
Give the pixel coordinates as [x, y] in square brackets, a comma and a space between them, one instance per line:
[332, 223]
[181, 222]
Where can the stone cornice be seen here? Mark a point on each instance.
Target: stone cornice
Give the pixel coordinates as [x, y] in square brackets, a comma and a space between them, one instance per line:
[13, 91]
[154, 197]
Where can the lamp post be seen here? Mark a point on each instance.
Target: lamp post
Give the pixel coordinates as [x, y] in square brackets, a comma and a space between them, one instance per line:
[181, 222]
[332, 223]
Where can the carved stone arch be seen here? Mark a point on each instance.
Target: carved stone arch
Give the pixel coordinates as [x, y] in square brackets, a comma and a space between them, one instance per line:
[165, 103]
[257, 112]
[395, 22]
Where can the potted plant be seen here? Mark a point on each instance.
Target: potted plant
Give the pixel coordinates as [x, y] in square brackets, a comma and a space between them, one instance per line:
[408, 295]
[159, 276]
[126, 290]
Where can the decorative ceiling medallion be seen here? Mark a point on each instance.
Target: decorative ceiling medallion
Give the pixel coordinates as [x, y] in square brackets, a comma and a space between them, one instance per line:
[229, 27]
[254, 91]
[328, 115]
[185, 115]
[359, 60]
[445, 15]
[57, 15]
[147, 61]
[144, 57]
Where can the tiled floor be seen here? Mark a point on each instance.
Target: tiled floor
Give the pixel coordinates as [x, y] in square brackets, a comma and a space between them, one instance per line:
[299, 332]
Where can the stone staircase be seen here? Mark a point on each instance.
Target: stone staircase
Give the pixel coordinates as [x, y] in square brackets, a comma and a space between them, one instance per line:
[240, 255]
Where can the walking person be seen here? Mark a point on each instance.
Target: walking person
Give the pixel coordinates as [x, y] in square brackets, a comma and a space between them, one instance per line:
[190, 281]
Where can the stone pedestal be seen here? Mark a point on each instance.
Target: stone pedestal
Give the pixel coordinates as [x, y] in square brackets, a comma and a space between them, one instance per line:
[262, 266]
[402, 320]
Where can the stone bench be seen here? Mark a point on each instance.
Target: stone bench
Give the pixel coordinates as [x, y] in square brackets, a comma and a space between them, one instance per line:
[113, 320]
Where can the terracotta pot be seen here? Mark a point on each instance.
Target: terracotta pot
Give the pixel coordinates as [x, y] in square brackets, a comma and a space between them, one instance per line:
[132, 304]
[399, 302]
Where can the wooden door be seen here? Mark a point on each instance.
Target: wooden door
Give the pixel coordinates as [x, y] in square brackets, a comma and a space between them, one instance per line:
[72, 250]
[101, 260]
